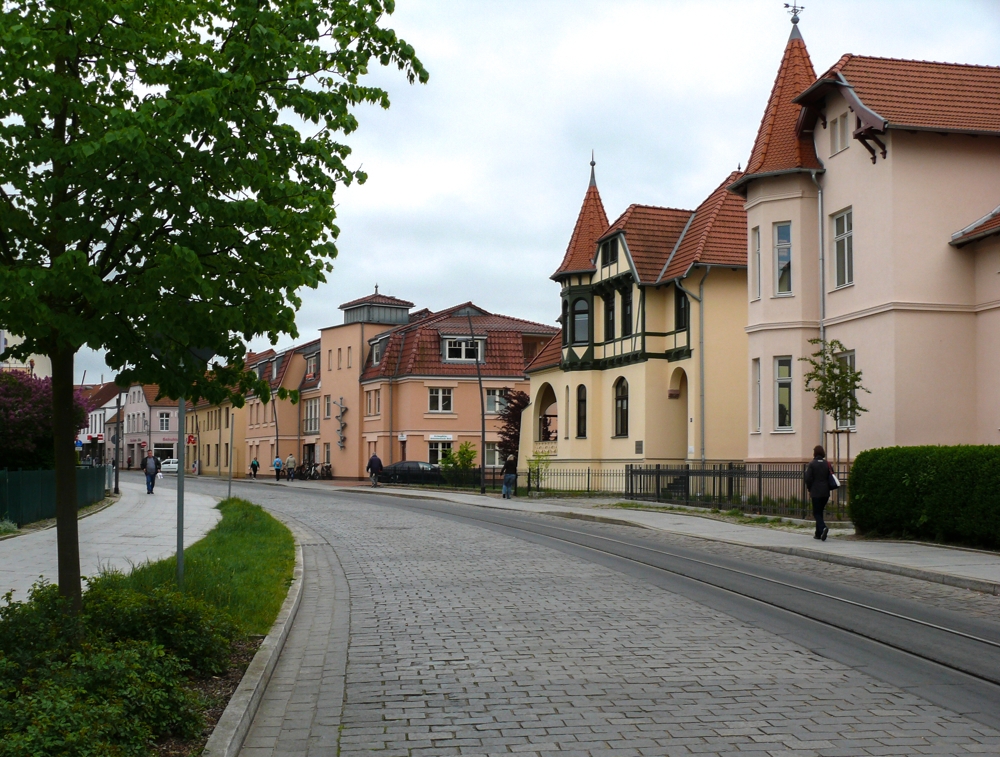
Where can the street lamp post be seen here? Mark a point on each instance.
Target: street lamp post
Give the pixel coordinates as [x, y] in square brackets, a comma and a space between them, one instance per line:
[181, 444]
[482, 409]
[118, 437]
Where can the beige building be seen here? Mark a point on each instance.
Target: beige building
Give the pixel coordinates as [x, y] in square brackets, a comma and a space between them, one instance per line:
[648, 366]
[36, 365]
[404, 386]
[870, 197]
[212, 434]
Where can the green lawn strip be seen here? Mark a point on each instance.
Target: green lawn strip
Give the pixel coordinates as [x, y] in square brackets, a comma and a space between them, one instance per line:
[730, 516]
[243, 566]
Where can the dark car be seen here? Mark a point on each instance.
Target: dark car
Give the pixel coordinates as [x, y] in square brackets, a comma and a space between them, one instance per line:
[411, 472]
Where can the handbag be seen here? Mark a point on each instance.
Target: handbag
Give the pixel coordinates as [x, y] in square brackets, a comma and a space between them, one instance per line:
[832, 479]
[159, 475]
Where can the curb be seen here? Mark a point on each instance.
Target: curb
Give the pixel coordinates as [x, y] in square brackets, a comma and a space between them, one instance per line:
[972, 584]
[231, 730]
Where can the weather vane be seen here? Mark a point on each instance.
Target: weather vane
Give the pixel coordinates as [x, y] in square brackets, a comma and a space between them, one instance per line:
[795, 9]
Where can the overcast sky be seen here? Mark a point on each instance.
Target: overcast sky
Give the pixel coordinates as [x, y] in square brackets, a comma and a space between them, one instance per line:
[476, 178]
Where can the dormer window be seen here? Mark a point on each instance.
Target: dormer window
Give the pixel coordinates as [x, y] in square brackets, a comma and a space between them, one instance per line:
[839, 135]
[376, 353]
[609, 252]
[464, 349]
[312, 366]
[274, 370]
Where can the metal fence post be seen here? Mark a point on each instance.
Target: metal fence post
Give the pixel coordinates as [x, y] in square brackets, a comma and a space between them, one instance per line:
[687, 483]
[657, 482]
[588, 481]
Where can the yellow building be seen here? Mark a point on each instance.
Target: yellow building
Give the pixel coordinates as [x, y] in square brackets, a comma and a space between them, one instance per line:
[213, 433]
[650, 364]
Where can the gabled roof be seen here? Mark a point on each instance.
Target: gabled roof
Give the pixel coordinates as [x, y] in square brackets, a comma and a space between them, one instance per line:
[916, 94]
[377, 299]
[650, 233]
[150, 391]
[415, 348]
[100, 395]
[986, 226]
[590, 224]
[778, 148]
[550, 356]
[717, 234]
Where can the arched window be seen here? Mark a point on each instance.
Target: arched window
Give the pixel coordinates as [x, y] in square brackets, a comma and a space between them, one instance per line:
[581, 322]
[621, 407]
[581, 412]
[565, 323]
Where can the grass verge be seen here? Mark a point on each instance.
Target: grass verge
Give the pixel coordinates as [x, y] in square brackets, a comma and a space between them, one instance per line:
[242, 567]
[729, 516]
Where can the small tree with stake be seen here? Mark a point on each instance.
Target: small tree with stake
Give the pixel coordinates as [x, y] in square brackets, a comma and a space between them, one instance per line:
[155, 193]
[836, 384]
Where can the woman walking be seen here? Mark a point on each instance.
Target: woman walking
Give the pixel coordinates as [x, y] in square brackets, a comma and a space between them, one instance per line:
[254, 467]
[817, 478]
[509, 472]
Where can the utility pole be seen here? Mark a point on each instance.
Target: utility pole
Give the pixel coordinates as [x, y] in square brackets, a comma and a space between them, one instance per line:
[232, 420]
[181, 445]
[482, 408]
[118, 436]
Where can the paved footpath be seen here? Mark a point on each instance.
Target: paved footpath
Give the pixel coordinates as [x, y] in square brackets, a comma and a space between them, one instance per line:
[137, 528]
[466, 641]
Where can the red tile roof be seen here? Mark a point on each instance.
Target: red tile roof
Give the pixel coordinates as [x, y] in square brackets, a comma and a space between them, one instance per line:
[778, 148]
[717, 234]
[550, 356]
[150, 391]
[590, 225]
[100, 394]
[415, 348]
[650, 234]
[377, 299]
[987, 226]
[924, 95]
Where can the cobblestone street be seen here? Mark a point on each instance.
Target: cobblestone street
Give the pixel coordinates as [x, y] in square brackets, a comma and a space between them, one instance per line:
[465, 641]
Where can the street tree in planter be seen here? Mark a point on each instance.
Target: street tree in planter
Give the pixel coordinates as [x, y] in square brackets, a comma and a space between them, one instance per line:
[835, 383]
[167, 178]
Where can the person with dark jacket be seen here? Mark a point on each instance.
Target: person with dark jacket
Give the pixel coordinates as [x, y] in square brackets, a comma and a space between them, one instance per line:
[374, 468]
[150, 466]
[509, 477]
[817, 478]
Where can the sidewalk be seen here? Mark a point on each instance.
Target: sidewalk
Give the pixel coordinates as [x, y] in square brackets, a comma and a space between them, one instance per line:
[978, 570]
[137, 528]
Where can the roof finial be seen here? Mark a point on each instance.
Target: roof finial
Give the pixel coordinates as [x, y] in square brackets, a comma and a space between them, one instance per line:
[794, 9]
[376, 287]
[593, 179]
[739, 166]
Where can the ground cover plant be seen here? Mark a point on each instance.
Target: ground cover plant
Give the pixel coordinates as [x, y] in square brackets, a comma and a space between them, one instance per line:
[138, 667]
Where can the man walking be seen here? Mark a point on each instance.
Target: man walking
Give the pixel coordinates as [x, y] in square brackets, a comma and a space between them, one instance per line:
[277, 468]
[254, 466]
[150, 466]
[817, 478]
[374, 468]
[290, 467]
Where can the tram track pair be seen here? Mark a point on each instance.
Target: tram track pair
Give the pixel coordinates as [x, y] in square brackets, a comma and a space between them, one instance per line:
[974, 651]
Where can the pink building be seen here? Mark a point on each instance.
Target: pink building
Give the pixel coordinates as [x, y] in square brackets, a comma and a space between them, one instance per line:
[871, 196]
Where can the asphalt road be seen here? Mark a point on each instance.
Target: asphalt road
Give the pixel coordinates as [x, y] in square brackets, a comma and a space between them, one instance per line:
[860, 622]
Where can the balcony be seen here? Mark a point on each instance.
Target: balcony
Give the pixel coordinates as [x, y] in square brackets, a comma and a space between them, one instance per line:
[550, 449]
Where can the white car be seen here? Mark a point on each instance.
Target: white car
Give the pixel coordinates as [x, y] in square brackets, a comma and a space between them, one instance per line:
[168, 466]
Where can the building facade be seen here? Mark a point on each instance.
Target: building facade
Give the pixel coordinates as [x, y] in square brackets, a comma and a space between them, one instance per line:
[148, 423]
[862, 195]
[647, 366]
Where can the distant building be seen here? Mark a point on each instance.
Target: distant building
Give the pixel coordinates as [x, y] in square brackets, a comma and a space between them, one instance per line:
[36, 365]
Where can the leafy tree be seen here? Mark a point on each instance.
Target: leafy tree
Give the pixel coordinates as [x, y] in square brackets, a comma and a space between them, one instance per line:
[156, 197]
[834, 382]
[26, 420]
[510, 417]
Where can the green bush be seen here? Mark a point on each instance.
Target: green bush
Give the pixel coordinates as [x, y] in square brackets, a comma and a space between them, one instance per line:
[947, 494]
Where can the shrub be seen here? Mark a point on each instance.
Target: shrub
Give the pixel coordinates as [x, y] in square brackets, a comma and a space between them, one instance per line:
[949, 494]
[184, 626]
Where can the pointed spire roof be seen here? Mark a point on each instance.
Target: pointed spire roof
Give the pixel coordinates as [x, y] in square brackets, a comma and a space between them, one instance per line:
[778, 149]
[590, 225]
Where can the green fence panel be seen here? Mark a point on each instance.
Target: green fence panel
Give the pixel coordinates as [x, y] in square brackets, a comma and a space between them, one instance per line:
[27, 496]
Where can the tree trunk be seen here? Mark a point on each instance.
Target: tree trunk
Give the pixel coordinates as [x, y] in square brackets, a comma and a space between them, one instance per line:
[64, 436]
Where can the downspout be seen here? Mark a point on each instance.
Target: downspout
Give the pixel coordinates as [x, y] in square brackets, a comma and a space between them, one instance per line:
[701, 347]
[822, 286]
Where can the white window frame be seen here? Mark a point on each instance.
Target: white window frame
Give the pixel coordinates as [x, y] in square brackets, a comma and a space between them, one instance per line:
[779, 382]
[327, 405]
[435, 450]
[458, 350]
[492, 456]
[312, 362]
[843, 241]
[850, 358]
[439, 399]
[840, 138]
[496, 400]
[778, 247]
[755, 241]
[373, 402]
[376, 353]
[755, 388]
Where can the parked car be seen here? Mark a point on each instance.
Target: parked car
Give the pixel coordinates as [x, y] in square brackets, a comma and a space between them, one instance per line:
[411, 472]
[169, 466]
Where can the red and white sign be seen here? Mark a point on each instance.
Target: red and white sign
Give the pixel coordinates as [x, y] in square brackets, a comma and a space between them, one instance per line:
[142, 444]
[191, 439]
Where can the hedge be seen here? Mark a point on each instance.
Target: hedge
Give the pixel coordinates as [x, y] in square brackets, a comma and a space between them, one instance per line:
[945, 494]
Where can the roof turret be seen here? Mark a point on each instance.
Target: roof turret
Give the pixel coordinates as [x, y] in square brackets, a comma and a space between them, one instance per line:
[590, 225]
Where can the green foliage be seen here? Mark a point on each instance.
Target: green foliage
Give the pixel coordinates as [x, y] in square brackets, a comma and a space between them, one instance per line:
[947, 494]
[242, 567]
[510, 422]
[7, 527]
[464, 458]
[68, 687]
[834, 382]
[538, 463]
[168, 169]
